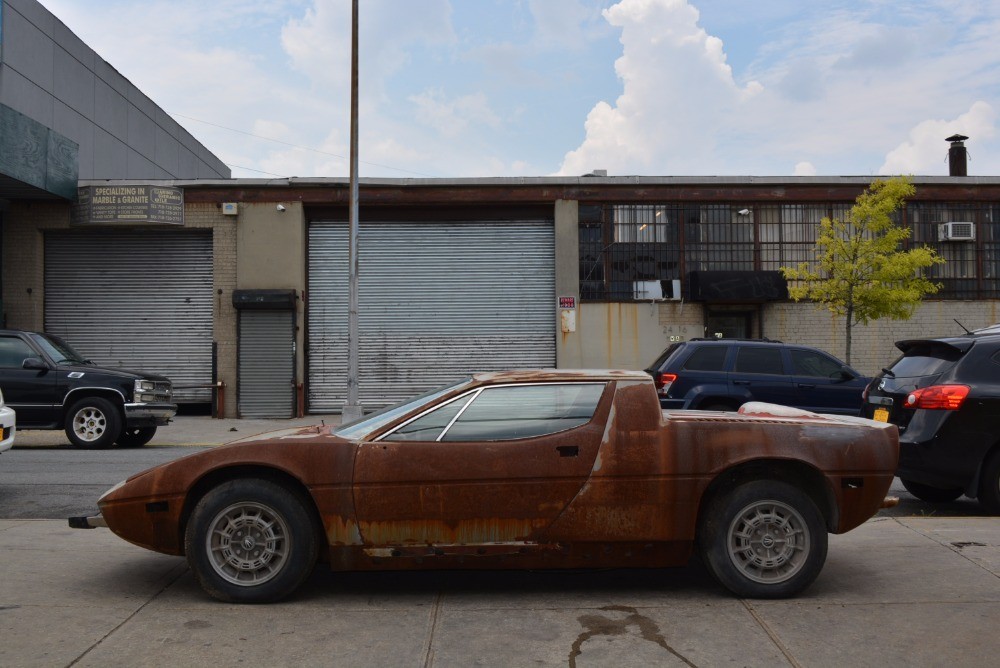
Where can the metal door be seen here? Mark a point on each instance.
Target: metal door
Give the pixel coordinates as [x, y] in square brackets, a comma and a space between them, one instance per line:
[137, 299]
[266, 364]
[437, 302]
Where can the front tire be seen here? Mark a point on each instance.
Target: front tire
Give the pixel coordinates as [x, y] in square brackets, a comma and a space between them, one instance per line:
[251, 541]
[93, 423]
[135, 437]
[764, 539]
[930, 494]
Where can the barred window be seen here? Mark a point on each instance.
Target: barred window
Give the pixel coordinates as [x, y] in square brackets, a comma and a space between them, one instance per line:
[633, 252]
[718, 238]
[788, 234]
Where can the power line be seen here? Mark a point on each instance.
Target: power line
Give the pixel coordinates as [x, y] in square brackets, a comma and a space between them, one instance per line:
[285, 143]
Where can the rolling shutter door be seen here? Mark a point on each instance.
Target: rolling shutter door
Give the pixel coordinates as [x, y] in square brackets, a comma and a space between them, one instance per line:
[436, 302]
[135, 299]
[267, 364]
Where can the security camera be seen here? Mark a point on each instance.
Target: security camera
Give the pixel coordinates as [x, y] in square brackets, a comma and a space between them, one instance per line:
[281, 207]
[744, 212]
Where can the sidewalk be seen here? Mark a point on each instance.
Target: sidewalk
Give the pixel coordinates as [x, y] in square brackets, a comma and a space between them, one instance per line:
[188, 430]
[895, 592]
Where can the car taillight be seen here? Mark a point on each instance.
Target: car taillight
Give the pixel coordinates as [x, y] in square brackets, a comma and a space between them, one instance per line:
[937, 397]
[663, 382]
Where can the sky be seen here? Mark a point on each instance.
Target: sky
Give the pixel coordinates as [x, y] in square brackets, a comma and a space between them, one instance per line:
[508, 88]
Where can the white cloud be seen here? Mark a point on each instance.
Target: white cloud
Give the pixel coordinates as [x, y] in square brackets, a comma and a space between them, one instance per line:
[924, 150]
[838, 88]
[454, 117]
[804, 169]
[676, 81]
[319, 43]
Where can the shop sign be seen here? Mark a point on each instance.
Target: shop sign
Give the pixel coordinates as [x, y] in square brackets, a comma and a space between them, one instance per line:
[129, 205]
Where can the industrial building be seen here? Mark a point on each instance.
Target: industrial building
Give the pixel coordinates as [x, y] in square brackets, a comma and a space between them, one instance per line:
[124, 235]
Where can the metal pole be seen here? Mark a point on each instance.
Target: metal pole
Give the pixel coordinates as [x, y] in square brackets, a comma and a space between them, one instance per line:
[352, 409]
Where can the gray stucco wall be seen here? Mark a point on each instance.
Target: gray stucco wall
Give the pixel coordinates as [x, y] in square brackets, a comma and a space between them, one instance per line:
[48, 74]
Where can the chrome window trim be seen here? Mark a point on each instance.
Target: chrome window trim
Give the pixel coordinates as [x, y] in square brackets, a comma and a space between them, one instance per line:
[477, 391]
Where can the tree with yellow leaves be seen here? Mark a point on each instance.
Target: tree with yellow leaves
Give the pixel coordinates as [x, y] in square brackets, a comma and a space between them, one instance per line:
[862, 272]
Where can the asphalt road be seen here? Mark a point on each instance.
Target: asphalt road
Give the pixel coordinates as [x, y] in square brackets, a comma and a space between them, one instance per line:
[57, 483]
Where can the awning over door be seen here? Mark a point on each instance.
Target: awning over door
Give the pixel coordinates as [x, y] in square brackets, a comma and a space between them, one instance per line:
[437, 301]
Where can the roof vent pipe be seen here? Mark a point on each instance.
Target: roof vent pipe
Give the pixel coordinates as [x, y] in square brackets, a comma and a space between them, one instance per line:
[957, 156]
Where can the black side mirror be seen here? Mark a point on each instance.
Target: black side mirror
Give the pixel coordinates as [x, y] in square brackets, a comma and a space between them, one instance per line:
[35, 363]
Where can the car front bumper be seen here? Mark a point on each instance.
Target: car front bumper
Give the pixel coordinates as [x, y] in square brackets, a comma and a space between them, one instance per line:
[148, 415]
[7, 423]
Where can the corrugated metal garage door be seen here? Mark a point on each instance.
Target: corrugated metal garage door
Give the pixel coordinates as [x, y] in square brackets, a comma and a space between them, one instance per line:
[267, 364]
[436, 302]
[135, 299]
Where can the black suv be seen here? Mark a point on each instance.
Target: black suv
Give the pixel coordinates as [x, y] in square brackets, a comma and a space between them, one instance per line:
[50, 386]
[723, 374]
[944, 395]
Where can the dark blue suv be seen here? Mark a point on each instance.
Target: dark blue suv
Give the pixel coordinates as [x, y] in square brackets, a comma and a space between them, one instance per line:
[723, 374]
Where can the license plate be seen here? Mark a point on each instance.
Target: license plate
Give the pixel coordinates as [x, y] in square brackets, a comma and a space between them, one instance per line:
[881, 415]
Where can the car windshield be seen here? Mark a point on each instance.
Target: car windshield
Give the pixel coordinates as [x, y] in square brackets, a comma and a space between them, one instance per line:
[924, 360]
[58, 350]
[359, 429]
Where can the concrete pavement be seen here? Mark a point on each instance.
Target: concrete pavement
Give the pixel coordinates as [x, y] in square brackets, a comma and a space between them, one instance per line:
[895, 592]
[899, 591]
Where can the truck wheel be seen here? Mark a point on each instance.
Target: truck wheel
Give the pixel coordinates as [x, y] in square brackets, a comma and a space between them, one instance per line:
[930, 494]
[135, 437]
[93, 423]
[763, 539]
[989, 485]
[251, 541]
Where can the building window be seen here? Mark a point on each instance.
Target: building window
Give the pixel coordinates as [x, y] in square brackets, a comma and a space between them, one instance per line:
[629, 252]
[633, 252]
[958, 275]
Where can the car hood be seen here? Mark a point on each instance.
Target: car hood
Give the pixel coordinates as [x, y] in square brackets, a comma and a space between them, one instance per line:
[111, 371]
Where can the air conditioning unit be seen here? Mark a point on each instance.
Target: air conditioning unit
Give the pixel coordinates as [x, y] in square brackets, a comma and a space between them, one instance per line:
[957, 231]
[668, 289]
[647, 290]
[674, 288]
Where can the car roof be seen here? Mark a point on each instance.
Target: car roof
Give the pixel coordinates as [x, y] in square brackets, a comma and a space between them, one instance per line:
[556, 375]
[960, 343]
[731, 341]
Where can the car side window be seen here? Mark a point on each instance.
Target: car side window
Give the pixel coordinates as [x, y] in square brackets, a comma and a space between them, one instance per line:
[753, 359]
[428, 427]
[810, 363]
[706, 358]
[13, 352]
[523, 411]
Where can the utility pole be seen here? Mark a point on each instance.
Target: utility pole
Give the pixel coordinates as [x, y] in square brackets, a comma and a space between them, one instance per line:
[352, 409]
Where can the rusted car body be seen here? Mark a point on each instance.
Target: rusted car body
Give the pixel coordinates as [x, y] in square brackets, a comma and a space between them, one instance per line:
[613, 482]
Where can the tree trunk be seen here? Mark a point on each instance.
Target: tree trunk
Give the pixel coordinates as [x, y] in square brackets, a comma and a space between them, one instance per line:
[847, 334]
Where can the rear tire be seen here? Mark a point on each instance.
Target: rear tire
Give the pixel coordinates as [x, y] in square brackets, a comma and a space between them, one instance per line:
[763, 539]
[251, 541]
[135, 437]
[930, 494]
[989, 485]
[93, 423]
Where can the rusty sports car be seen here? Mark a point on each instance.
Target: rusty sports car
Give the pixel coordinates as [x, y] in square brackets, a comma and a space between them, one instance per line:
[528, 469]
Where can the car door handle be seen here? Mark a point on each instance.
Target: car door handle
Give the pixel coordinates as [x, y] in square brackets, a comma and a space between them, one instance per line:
[741, 382]
[804, 386]
[568, 450]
